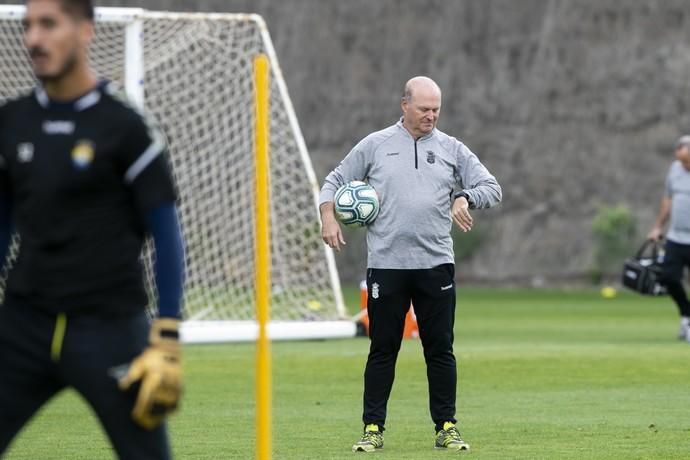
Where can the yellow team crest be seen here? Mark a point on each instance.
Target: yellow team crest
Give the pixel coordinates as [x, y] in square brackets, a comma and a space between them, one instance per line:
[82, 154]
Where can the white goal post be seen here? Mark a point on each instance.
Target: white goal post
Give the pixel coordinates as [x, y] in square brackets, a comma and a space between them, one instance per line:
[193, 72]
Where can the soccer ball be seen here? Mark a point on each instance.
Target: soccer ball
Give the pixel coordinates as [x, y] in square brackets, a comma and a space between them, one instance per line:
[356, 204]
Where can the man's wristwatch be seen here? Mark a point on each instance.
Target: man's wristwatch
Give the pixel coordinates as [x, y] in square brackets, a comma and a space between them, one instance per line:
[466, 195]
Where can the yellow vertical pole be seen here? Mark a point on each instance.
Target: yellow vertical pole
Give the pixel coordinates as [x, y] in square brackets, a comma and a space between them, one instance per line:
[262, 259]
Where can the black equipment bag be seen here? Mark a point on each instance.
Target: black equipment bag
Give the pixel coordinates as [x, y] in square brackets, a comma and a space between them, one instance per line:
[643, 272]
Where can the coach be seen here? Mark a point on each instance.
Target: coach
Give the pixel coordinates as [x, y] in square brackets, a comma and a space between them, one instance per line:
[424, 178]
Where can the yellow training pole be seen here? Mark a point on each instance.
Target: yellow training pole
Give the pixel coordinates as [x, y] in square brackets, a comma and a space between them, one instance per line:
[262, 260]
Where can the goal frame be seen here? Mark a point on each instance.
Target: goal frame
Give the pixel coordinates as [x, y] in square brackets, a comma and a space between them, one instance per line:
[195, 330]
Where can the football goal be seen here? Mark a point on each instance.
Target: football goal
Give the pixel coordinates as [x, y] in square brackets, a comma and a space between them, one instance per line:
[194, 73]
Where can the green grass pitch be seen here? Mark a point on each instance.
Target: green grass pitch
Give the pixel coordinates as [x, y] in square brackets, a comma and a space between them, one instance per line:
[542, 375]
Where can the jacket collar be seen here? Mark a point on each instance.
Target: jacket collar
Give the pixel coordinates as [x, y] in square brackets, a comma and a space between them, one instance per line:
[400, 125]
[76, 105]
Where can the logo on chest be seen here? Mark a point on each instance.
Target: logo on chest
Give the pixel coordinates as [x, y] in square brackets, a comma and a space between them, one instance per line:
[25, 152]
[83, 154]
[430, 157]
[54, 127]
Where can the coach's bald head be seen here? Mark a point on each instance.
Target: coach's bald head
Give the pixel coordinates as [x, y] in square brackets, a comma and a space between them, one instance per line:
[421, 105]
[420, 84]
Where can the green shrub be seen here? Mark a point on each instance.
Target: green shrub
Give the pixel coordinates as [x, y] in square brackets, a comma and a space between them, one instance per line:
[614, 232]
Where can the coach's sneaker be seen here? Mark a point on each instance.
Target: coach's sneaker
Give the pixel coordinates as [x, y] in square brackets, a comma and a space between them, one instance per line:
[372, 439]
[449, 438]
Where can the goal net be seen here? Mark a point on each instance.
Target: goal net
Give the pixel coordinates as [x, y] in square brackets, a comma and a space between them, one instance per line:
[194, 73]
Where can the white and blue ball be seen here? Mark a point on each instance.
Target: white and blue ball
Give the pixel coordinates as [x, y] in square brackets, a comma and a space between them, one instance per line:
[356, 204]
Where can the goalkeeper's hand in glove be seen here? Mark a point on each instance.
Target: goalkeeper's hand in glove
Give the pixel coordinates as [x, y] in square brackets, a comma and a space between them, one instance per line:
[158, 372]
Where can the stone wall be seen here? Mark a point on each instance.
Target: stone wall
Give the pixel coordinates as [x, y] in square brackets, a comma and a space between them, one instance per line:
[571, 104]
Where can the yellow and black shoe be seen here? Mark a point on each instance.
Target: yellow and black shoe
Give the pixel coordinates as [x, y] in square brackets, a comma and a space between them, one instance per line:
[372, 439]
[449, 438]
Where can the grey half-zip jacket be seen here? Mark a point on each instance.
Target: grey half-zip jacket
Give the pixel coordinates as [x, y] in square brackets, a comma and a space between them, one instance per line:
[417, 182]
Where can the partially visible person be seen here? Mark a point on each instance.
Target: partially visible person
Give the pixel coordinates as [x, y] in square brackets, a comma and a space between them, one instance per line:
[83, 181]
[675, 210]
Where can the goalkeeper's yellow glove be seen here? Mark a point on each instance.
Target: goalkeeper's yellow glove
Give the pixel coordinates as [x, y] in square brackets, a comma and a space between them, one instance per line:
[159, 373]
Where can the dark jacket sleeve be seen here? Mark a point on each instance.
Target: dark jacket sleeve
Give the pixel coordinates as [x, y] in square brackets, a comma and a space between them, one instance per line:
[163, 225]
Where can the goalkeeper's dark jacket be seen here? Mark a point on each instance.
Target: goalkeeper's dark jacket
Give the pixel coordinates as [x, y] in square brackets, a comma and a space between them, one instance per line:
[417, 181]
[78, 181]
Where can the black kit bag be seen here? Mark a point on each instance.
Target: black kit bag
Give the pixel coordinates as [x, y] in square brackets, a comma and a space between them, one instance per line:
[643, 272]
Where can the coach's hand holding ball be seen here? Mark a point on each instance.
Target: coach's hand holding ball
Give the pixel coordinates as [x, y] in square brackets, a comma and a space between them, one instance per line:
[159, 373]
[355, 204]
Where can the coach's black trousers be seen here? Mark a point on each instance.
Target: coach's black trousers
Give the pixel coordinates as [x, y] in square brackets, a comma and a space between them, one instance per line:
[40, 355]
[432, 291]
[676, 258]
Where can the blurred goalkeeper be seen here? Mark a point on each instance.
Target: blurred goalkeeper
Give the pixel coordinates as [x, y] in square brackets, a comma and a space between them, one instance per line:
[426, 180]
[83, 180]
